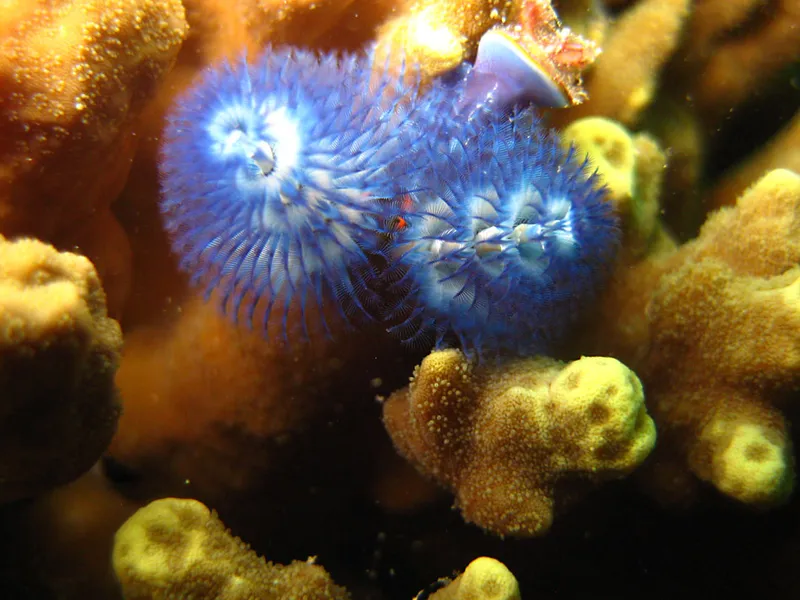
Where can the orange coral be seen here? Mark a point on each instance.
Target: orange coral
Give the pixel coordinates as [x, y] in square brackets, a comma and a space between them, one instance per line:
[75, 75]
[724, 52]
[103, 241]
[623, 81]
[58, 356]
[719, 321]
[302, 22]
[221, 413]
[435, 34]
[180, 388]
[506, 438]
[228, 28]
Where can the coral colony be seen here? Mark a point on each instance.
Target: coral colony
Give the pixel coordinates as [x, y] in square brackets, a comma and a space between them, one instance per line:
[283, 180]
[437, 200]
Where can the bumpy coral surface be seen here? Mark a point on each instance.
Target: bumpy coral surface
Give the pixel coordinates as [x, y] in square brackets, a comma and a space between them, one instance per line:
[58, 356]
[710, 327]
[505, 438]
[719, 321]
[174, 548]
[436, 34]
[75, 74]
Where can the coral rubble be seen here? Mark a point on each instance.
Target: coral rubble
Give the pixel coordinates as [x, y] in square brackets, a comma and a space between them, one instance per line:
[507, 438]
[174, 548]
[58, 355]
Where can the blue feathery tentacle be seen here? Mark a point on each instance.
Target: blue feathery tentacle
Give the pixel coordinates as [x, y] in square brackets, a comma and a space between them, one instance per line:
[506, 239]
[271, 178]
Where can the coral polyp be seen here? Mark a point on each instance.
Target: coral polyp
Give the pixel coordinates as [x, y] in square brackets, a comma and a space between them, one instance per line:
[271, 173]
[507, 239]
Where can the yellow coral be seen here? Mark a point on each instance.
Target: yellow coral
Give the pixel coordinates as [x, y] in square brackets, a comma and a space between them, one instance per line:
[611, 152]
[750, 463]
[744, 331]
[502, 437]
[176, 548]
[712, 330]
[632, 167]
[760, 235]
[58, 353]
[605, 402]
[484, 579]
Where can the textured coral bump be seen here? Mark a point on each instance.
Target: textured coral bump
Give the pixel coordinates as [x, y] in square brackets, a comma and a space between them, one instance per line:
[75, 76]
[725, 344]
[58, 355]
[175, 548]
[504, 439]
[271, 172]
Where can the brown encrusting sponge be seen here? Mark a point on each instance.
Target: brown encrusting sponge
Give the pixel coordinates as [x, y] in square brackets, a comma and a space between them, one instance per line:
[58, 355]
[175, 548]
[506, 439]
